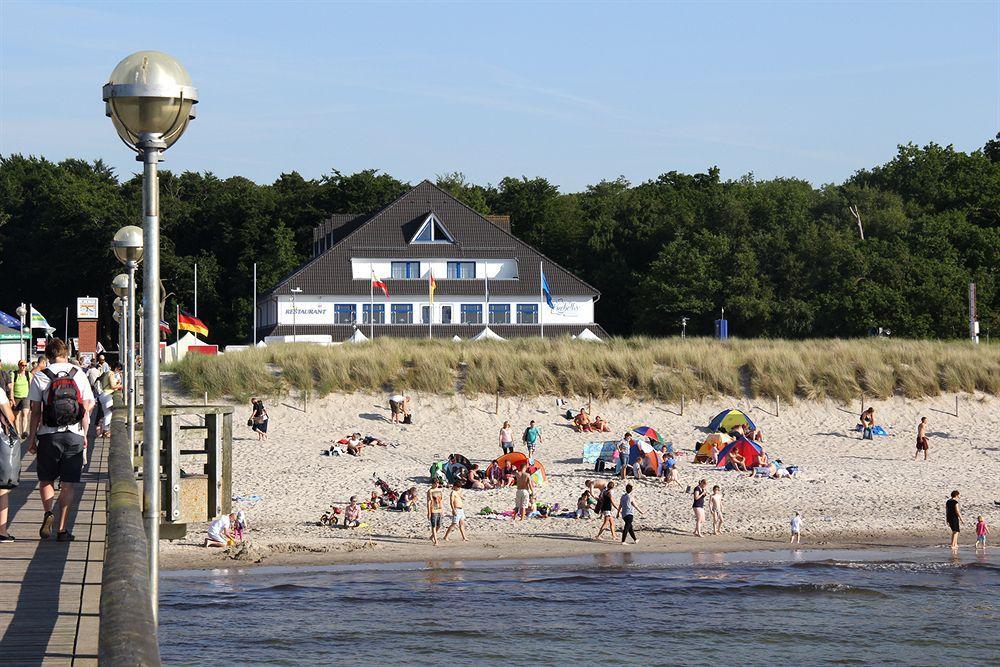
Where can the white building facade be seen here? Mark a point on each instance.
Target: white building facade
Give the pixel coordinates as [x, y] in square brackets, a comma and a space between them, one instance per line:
[480, 273]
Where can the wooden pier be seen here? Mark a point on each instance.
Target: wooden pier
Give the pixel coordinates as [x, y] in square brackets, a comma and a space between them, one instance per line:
[50, 592]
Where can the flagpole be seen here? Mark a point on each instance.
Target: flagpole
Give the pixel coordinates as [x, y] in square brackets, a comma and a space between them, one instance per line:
[178, 323]
[486, 276]
[66, 328]
[541, 299]
[254, 341]
[430, 307]
[196, 289]
[371, 302]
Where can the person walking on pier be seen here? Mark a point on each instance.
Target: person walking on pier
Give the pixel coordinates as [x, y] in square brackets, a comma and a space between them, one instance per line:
[6, 422]
[61, 400]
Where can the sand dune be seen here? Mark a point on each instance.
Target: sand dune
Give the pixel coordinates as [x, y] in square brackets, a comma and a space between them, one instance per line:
[848, 489]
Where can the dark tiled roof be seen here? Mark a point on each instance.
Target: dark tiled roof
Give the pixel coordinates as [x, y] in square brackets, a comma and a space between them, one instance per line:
[386, 234]
[341, 332]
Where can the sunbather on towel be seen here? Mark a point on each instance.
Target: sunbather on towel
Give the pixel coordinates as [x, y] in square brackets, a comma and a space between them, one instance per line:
[601, 425]
[582, 422]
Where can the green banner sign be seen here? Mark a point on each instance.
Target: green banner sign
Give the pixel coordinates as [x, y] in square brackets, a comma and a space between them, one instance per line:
[14, 336]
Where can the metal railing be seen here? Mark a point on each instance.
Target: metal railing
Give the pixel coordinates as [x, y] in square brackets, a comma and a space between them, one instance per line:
[128, 632]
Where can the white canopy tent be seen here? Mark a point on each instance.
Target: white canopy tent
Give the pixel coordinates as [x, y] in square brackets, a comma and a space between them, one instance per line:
[589, 335]
[357, 337]
[487, 334]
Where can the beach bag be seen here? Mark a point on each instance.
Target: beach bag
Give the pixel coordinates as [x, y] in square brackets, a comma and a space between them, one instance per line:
[63, 403]
[250, 422]
[599, 465]
[10, 458]
[407, 419]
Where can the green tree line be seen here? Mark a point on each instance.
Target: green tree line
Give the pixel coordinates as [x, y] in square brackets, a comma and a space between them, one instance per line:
[783, 257]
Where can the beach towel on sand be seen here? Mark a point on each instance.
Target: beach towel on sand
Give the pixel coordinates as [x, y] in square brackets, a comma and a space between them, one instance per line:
[599, 450]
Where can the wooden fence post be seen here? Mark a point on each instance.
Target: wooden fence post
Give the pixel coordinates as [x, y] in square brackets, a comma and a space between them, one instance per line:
[777, 405]
[956, 405]
[496, 410]
[682, 405]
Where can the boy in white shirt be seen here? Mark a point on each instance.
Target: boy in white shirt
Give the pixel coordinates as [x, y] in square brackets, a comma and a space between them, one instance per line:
[796, 529]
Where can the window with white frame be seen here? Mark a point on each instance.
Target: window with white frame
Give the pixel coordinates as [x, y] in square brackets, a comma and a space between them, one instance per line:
[432, 231]
[405, 270]
[402, 313]
[472, 313]
[344, 313]
[499, 313]
[445, 314]
[425, 314]
[527, 313]
[461, 270]
[366, 313]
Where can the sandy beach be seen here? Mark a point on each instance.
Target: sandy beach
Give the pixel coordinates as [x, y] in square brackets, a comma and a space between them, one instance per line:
[851, 492]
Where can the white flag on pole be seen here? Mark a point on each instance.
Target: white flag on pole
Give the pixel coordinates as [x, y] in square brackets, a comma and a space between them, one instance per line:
[38, 321]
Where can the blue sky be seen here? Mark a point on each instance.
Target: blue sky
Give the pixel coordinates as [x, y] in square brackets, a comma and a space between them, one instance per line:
[575, 92]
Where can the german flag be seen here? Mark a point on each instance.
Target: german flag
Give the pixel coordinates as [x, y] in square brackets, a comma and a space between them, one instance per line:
[187, 322]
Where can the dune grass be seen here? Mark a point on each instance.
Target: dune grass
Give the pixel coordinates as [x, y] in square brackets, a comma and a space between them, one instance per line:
[643, 368]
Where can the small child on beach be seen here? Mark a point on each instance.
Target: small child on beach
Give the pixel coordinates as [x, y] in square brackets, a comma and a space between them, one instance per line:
[715, 507]
[981, 532]
[796, 529]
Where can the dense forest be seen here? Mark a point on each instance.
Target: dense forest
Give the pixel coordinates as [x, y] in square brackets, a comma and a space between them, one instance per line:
[784, 258]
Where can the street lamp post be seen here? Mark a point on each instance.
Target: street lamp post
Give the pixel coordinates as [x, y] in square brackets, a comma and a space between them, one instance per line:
[127, 246]
[294, 291]
[21, 312]
[119, 305]
[150, 99]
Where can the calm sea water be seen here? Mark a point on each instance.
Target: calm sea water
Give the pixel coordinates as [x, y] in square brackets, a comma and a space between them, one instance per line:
[810, 607]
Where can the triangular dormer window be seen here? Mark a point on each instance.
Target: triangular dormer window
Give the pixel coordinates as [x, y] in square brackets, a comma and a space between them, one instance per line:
[432, 231]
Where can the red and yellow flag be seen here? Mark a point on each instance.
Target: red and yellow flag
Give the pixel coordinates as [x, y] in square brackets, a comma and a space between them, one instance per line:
[431, 285]
[187, 322]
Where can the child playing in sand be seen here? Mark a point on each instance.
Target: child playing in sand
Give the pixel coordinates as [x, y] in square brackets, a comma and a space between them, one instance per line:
[981, 532]
[796, 529]
[352, 516]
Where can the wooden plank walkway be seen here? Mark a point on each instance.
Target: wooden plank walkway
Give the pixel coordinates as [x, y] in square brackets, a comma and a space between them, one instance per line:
[50, 592]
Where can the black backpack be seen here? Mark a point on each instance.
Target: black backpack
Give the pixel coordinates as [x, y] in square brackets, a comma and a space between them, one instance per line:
[64, 403]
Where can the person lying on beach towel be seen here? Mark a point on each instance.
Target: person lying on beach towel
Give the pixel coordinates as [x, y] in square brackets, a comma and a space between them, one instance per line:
[581, 423]
[600, 425]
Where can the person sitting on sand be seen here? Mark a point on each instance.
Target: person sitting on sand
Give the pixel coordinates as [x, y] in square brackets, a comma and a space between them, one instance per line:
[736, 461]
[868, 423]
[763, 458]
[755, 434]
[355, 445]
[407, 500]
[352, 515]
[668, 469]
[600, 425]
[583, 504]
[582, 422]
[220, 531]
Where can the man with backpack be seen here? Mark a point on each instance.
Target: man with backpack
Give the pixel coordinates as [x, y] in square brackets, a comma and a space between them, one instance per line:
[61, 399]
